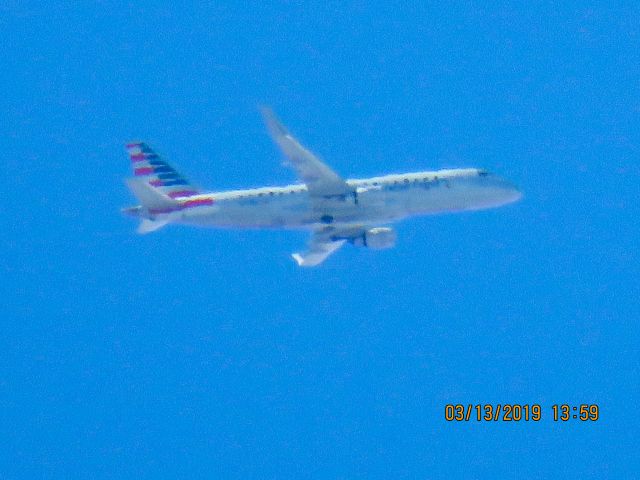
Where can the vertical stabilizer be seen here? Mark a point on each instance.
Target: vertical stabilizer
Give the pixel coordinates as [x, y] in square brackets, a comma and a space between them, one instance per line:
[148, 165]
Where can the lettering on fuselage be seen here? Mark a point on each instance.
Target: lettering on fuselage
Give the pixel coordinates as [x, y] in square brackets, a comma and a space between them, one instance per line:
[262, 196]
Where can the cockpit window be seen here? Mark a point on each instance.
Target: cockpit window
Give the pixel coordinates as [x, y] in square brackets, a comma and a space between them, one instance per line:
[482, 173]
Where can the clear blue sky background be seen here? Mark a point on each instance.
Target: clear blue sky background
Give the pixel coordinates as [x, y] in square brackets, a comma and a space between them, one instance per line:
[204, 353]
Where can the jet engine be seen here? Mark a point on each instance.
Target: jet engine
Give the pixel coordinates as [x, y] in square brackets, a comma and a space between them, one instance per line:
[377, 238]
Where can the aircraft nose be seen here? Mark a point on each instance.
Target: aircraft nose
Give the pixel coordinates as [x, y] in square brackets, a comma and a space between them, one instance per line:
[504, 191]
[510, 191]
[517, 194]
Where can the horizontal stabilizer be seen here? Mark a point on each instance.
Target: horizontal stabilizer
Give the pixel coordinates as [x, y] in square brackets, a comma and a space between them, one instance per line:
[149, 196]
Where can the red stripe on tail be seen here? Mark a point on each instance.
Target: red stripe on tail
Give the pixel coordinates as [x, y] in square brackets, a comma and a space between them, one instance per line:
[182, 193]
[197, 202]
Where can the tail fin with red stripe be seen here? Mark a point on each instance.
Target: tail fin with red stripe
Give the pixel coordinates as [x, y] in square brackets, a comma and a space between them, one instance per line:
[148, 165]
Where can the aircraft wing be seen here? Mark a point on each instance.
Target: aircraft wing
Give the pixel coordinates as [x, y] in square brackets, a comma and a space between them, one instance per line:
[325, 241]
[317, 253]
[321, 180]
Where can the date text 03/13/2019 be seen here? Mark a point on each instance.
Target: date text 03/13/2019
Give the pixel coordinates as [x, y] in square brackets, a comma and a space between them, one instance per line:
[513, 412]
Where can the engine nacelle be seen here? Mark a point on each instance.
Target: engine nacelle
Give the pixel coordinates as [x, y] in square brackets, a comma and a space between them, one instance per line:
[377, 238]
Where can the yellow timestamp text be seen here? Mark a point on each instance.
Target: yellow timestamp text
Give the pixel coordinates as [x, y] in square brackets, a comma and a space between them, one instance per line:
[515, 412]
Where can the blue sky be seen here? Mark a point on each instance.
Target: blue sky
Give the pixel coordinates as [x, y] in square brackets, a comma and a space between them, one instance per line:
[205, 353]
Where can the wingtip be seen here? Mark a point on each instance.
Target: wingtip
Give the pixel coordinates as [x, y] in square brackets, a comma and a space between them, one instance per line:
[265, 109]
[275, 127]
[148, 226]
[266, 112]
[307, 261]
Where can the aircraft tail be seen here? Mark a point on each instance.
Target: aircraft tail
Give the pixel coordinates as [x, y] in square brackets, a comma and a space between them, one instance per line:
[153, 202]
[161, 176]
[151, 198]
[156, 184]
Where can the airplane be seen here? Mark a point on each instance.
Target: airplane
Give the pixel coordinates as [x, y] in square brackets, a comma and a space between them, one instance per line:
[335, 210]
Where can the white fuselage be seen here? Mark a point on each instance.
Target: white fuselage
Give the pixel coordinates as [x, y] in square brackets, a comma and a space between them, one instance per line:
[377, 200]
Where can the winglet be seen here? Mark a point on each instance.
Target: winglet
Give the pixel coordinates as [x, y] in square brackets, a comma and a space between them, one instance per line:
[275, 127]
[147, 225]
[298, 258]
[281, 136]
[317, 253]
